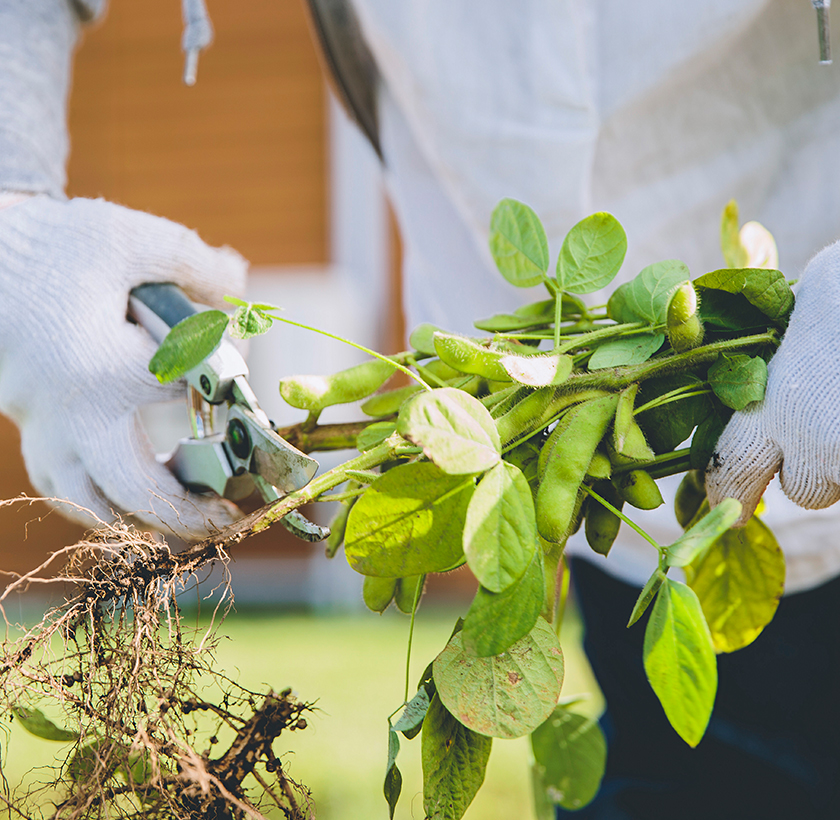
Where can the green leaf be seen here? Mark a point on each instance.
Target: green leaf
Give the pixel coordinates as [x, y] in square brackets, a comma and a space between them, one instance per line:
[414, 712]
[738, 379]
[454, 763]
[188, 344]
[645, 298]
[314, 393]
[570, 753]
[534, 315]
[249, 321]
[409, 522]
[374, 434]
[97, 757]
[626, 350]
[628, 438]
[767, 290]
[704, 533]
[728, 311]
[455, 430]
[734, 253]
[680, 660]
[392, 789]
[497, 620]
[393, 777]
[739, 581]
[518, 243]
[506, 695]
[37, 723]
[422, 339]
[591, 255]
[500, 532]
[647, 594]
[389, 402]
[667, 426]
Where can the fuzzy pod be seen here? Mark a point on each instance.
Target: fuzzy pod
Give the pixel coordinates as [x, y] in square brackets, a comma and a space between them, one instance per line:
[602, 524]
[564, 461]
[689, 497]
[639, 490]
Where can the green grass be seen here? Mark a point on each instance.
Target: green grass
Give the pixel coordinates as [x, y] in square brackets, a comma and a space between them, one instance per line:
[353, 667]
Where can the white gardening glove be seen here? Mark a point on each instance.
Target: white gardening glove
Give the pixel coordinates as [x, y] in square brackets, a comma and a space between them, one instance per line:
[797, 425]
[73, 370]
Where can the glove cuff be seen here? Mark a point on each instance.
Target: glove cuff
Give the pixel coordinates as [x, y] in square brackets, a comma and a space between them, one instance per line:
[37, 38]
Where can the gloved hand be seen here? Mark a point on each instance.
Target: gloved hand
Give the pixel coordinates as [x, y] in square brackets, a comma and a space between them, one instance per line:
[797, 425]
[73, 370]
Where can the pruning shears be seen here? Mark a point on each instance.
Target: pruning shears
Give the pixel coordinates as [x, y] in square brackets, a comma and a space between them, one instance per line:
[249, 455]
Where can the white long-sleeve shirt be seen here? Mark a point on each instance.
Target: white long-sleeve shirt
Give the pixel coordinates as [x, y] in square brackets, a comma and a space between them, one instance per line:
[657, 111]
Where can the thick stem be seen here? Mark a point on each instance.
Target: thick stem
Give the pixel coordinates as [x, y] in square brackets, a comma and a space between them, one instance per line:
[393, 447]
[621, 377]
[323, 437]
[552, 559]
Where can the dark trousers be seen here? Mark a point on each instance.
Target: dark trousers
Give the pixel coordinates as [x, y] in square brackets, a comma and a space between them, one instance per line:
[772, 749]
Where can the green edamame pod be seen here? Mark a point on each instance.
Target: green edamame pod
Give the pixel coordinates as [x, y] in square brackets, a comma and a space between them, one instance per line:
[338, 526]
[469, 356]
[406, 592]
[387, 403]
[600, 466]
[314, 393]
[639, 490]
[690, 496]
[602, 525]
[436, 369]
[536, 410]
[378, 593]
[563, 463]
[628, 438]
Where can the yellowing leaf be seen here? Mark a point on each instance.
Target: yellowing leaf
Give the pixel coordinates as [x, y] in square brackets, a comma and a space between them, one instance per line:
[506, 695]
[739, 581]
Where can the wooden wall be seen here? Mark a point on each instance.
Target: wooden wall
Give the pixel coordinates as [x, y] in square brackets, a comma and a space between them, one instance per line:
[241, 157]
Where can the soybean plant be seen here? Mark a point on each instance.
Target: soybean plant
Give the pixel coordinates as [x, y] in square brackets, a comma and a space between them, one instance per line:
[504, 444]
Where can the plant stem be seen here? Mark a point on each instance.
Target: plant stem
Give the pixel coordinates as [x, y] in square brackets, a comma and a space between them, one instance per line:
[585, 339]
[364, 349]
[622, 516]
[323, 437]
[393, 447]
[684, 392]
[552, 556]
[563, 596]
[662, 460]
[620, 377]
[417, 592]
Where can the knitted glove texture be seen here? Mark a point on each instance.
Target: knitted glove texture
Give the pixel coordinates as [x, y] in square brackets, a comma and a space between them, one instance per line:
[73, 370]
[796, 428]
